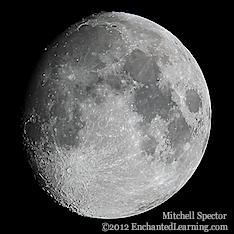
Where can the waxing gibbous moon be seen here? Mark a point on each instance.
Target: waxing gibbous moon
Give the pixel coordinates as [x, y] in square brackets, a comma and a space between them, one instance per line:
[116, 117]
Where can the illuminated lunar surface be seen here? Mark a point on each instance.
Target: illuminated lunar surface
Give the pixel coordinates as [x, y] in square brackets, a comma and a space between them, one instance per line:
[116, 116]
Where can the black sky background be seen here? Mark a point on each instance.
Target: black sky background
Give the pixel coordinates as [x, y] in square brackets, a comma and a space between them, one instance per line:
[35, 26]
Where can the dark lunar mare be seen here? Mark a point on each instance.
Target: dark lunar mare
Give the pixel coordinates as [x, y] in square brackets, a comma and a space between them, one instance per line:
[51, 100]
[193, 101]
[152, 100]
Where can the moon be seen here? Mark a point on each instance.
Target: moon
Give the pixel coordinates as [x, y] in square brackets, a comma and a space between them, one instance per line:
[116, 116]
